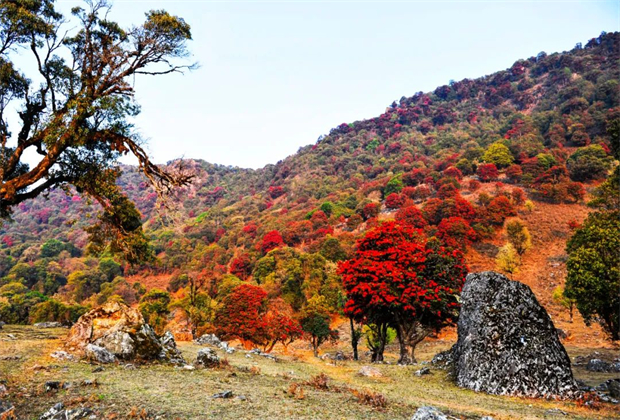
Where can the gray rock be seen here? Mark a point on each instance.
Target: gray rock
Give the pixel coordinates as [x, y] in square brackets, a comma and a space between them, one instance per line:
[98, 354]
[613, 387]
[2, 324]
[58, 412]
[507, 344]
[206, 357]
[423, 371]
[370, 371]
[208, 339]
[169, 350]
[430, 413]
[123, 332]
[52, 386]
[598, 365]
[62, 355]
[223, 394]
[48, 325]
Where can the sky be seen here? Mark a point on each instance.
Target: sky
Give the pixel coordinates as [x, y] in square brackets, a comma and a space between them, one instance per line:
[275, 75]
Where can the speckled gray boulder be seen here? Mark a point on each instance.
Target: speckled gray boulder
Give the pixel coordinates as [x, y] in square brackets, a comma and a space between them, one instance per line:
[507, 344]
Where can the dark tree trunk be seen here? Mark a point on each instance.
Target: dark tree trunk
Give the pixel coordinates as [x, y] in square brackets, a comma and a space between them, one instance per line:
[355, 338]
[377, 348]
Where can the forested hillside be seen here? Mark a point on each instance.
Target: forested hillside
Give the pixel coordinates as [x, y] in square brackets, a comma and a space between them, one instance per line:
[468, 163]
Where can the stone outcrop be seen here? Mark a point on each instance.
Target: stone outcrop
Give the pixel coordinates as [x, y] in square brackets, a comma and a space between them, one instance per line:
[507, 344]
[98, 354]
[122, 331]
[207, 358]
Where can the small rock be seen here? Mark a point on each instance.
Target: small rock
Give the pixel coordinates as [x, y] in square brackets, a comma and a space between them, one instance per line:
[98, 369]
[613, 386]
[189, 367]
[130, 366]
[48, 325]
[423, 371]
[67, 385]
[11, 336]
[98, 354]
[58, 412]
[89, 382]
[209, 339]
[62, 355]
[429, 413]
[223, 394]
[369, 371]
[2, 324]
[206, 357]
[487, 418]
[52, 386]
[241, 397]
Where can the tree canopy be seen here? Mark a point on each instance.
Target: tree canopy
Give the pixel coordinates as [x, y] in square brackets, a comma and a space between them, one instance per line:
[74, 109]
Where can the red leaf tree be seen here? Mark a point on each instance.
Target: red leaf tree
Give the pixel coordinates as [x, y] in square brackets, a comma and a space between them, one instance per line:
[400, 275]
[241, 315]
[487, 172]
[271, 240]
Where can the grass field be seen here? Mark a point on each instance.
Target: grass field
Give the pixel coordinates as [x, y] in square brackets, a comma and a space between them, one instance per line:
[271, 390]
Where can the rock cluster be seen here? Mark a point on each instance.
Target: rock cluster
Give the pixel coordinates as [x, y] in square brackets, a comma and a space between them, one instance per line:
[507, 344]
[58, 412]
[206, 357]
[213, 340]
[118, 330]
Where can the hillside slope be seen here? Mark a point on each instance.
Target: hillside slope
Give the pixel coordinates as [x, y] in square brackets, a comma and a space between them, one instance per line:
[541, 124]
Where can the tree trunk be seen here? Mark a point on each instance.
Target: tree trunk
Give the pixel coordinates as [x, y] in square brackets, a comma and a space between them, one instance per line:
[354, 339]
[409, 335]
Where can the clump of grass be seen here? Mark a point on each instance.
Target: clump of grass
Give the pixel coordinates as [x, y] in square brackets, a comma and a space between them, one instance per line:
[319, 382]
[296, 391]
[373, 399]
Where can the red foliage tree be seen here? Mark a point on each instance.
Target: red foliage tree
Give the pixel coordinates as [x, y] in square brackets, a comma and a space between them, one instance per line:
[250, 229]
[435, 209]
[241, 266]
[487, 172]
[514, 173]
[498, 210]
[275, 191]
[280, 329]
[396, 274]
[411, 215]
[453, 172]
[371, 210]
[447, 191]
[271, 240]
[394, 201]
[518, 196]
[241, 316]
[455, 232]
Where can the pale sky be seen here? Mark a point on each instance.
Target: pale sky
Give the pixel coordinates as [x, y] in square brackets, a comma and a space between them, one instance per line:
[275, 75]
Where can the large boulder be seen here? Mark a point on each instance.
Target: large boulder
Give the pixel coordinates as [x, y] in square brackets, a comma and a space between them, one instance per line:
[122, 331]
[507, 344]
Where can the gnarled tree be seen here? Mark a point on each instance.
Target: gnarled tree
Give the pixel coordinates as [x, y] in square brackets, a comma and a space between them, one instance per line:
[73, 110]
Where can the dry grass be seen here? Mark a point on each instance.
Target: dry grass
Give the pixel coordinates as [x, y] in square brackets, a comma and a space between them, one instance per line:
[297, 387]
